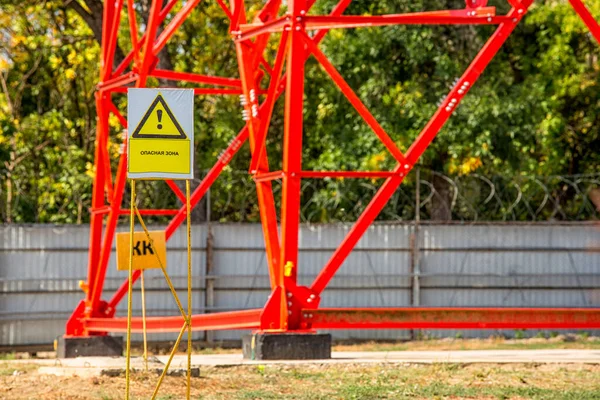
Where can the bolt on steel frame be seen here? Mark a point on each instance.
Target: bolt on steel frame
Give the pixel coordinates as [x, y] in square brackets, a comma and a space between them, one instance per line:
[290, 307]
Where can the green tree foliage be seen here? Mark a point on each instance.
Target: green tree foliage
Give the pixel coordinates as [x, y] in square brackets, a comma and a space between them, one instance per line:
[47, 117]
[533, 112]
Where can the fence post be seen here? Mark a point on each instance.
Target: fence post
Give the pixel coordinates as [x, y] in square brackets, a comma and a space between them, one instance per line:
[415, 268]
[209, 293]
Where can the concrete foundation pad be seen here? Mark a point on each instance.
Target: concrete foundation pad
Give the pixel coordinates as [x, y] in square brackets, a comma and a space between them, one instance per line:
[286, 346]
[93, 346]
[110, 366]
[554, 356]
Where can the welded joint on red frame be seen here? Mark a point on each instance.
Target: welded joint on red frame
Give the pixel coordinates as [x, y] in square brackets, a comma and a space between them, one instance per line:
[248, 31]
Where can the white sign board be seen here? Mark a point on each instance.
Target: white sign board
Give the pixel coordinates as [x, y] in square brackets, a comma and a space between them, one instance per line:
[160, 126]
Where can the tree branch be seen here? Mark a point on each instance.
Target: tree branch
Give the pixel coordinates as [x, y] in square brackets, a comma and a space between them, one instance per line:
[93, 19]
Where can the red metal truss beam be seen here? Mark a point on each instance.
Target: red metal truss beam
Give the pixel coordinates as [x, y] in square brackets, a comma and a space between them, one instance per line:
[248, 31]
[197, 78]
[268, 13]
[225, 9]
[587, 18]
[347, 174]
[419, 146]
[172, 27]
[483, 15]
[196, 196]
[452, 318]
[133, 32]
[180, 195]
[319, 22]
[118, 81]
[292, 146]
[148, 55]
[247, 319]
[130, 56]
[354, 100]
[265, 116]
[96, 219]
[247, 63]
[96, 281]
[269, 176]
[197, 91]
[112, 26]
[275, 91]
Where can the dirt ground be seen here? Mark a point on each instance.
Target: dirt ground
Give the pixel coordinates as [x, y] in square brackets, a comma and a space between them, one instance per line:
[320, 381]
[21, 380]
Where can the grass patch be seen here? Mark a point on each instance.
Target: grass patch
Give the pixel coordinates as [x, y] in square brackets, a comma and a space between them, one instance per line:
[502, 392]
[544, 341]
[258, 394]
[7, 369]
[7, 356]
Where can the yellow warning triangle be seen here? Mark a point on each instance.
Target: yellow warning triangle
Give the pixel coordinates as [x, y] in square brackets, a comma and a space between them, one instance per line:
[159, 123]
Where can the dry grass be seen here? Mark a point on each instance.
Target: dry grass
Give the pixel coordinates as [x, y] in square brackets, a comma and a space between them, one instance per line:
[494, 343]
[326, 381]
[340, 381]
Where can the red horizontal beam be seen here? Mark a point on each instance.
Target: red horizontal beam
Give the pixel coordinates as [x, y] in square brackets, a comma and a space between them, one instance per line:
[268, 176]
[347, 174]
[199, 91]
[248, 31]
[247, 319]
[483, 15]
[100, 210]
[453, 318]
[118, 82]
[350, 21]
[196, 78]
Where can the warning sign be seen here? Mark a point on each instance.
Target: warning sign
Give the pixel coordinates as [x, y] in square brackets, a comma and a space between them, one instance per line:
[144, 254]
[160, 125]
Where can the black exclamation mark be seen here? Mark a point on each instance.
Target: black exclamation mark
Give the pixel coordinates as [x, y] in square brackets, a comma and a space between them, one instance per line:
[159, 113]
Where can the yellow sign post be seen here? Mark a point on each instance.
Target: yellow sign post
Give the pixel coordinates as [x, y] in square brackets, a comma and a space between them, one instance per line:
[160, 145]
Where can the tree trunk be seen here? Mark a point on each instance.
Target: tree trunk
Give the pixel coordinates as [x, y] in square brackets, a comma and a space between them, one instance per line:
[441, 202]
[93, 19]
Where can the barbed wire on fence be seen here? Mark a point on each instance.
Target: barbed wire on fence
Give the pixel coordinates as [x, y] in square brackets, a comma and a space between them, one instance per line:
[426, 194]
[472, 197]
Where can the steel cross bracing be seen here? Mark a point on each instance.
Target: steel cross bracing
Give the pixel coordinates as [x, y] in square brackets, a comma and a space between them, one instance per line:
[290, 307]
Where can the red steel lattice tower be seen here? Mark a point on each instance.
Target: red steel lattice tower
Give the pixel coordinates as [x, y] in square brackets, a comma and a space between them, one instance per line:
[290, 307]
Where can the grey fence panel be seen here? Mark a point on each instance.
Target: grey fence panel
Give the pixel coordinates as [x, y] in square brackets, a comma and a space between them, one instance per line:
[495, 265]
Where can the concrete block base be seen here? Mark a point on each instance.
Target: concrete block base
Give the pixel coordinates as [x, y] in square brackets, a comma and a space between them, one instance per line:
[286, 346]
[104, 346]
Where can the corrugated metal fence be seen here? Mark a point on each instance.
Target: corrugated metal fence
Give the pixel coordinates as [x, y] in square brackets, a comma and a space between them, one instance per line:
[535, 265]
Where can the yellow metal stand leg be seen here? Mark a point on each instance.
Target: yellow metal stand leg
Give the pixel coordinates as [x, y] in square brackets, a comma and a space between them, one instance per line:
[144, 322]
[129, 294]
[187, 316]
[168, 364]
[189, 288]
